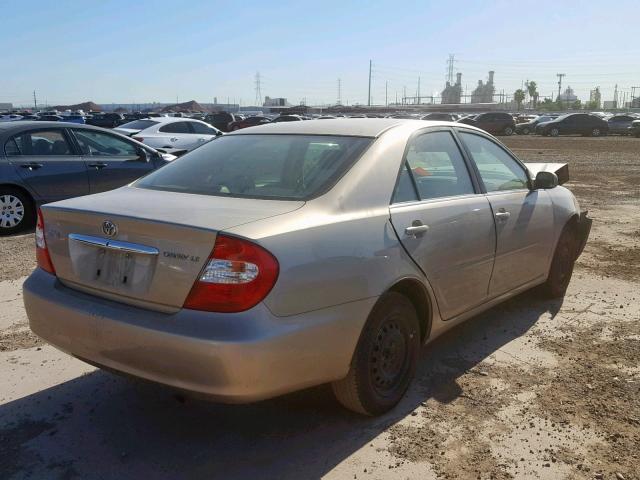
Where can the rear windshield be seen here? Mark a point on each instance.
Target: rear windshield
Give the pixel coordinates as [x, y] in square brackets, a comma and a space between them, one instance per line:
[286, 167]
[138, 124]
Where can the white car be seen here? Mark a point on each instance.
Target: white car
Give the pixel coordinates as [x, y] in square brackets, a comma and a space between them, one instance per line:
[169, 132]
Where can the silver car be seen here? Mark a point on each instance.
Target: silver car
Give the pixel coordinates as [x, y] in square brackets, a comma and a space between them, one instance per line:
[300, 253]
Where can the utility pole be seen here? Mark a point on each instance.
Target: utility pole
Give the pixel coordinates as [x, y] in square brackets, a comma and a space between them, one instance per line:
[404, 94]
[339, 92]
[35, 101]
[615, 96]
[386, 93]
[633, 96]
[560, 75]
[258, 91]
[369, 94]
[418, 90]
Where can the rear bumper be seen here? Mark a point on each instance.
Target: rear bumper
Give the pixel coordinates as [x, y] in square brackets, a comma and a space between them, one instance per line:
[233, 358]
[583, 229]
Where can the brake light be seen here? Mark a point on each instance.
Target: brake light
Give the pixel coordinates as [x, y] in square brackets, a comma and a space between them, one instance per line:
[138, 139]
[42, 252]
[237, 276]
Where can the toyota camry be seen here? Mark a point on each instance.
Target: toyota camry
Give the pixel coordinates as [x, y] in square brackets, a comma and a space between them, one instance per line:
[300, 253]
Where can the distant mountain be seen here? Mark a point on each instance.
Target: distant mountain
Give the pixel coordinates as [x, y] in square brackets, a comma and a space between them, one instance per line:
[86, 106]
[190, 106]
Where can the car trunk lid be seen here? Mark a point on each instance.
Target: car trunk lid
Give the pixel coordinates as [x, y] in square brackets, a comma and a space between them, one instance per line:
[143, 247]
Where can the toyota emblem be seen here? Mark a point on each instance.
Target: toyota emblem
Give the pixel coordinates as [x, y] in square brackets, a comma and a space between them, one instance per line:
[109, 228]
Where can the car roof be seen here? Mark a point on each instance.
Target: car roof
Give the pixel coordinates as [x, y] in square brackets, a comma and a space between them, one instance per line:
[356, 127]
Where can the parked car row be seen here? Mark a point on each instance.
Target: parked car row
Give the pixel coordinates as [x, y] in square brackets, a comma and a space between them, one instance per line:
[43, 162]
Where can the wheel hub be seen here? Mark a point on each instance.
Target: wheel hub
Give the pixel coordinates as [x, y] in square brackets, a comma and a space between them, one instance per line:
[12, 211]
[388, 357]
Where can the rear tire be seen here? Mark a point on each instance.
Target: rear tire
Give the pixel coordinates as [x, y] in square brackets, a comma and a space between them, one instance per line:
[562, 264]
[508, 131]
[596, 132]
[17, 211]
[525, 131]
[385, 359]
[554, 132]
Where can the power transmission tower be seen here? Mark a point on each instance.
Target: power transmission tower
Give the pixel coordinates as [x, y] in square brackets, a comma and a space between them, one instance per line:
[339, 92]
[369, 94]
[258, 91]
[450, 67]
[560, 75]
[35, 101]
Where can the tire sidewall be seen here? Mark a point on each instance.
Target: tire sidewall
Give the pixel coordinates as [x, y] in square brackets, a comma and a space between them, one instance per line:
[396, 306]
[556, 284]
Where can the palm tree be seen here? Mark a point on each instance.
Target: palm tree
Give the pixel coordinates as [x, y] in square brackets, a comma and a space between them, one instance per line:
[532, 90]
[518, 97]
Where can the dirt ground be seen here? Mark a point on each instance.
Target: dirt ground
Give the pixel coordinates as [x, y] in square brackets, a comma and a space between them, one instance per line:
[530, 389]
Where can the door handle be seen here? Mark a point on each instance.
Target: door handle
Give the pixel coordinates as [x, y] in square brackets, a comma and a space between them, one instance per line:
[32, 166]
[98, 165]
[417, 228]
[503, 216]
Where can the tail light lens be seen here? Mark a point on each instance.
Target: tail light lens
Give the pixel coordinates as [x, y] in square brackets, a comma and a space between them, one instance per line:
[238, 275]
[42, 252]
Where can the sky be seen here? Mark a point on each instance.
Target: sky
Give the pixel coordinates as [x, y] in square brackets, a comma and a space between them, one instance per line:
[142, 51]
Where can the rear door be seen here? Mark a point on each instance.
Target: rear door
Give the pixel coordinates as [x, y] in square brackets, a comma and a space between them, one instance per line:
[523, 217]
[443, 221]
[48, 163]
[111, 161]
[179, 135]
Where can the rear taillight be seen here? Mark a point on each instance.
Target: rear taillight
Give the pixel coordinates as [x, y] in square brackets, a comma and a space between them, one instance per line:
[238, 275]
[42, 252]
[138, 139]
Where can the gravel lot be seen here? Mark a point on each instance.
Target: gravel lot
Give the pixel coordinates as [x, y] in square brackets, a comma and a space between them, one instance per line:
[530, 389]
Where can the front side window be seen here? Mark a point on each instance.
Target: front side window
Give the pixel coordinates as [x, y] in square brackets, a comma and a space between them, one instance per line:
[175, 127]
[102, 144]
[437, 166]
[39, 143]
[288, 167]
[202, 129]
[498, 170]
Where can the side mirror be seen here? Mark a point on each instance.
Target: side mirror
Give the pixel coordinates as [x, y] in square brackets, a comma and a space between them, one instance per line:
[143, 155]
[545, 180]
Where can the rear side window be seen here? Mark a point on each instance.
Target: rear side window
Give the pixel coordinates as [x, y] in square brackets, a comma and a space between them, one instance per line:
[437, 166]
[139, 124]
[498, 170]
[176, 127]
[39, 143]
[288, 167]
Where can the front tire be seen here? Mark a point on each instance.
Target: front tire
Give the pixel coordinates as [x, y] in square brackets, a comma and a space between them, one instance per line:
[561, 266]
[17, 212]
[385, 359]
[596, 132]
[508, 131]
[525, 131]
[554, 132]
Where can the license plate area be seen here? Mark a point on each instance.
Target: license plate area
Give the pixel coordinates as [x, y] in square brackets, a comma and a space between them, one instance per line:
[106, 267]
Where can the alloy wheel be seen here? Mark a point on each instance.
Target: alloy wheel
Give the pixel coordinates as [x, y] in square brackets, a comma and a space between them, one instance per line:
[11, 211]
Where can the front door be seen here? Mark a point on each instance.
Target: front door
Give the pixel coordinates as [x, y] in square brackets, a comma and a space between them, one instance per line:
[523, 217]
[47, 163]
[444, 224]
[111, 161]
